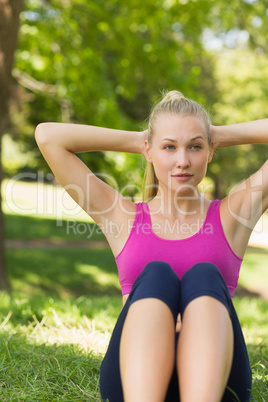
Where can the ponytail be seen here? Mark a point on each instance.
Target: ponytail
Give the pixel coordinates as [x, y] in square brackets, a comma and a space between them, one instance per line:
[150, 183]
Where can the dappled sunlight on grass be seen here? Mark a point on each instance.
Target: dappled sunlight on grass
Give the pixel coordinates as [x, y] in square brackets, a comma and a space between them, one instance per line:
[96, 273]
[39, 372]
[40, 199]
[252, 311]
[254, 272]
[49, 342]
[81, 328]
[53, 347]
[103, 311]
[253, 316]
[63, 272]
[40, 227]
[56, 332]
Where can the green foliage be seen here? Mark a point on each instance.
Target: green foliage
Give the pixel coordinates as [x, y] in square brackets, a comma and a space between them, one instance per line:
[242, 78]
[105, 63]
[14, 158]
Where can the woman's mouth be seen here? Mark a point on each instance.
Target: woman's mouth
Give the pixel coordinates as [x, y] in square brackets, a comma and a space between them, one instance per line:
[182, 176]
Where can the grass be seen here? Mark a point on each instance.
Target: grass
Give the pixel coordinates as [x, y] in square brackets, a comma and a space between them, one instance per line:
[44, 228]
[55, 325]
[46, 372]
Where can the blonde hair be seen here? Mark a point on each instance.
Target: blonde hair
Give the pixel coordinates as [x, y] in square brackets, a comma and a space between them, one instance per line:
[173, 102]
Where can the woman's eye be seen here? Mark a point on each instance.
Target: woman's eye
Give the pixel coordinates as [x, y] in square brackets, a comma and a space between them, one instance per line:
[169, 147]
[196, 147]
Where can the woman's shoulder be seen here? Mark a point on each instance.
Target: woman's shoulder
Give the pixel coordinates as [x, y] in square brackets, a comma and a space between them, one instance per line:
[118, 224]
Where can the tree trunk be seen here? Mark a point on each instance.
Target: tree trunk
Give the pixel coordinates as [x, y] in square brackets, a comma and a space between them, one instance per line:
[4, 284]
[9, 26]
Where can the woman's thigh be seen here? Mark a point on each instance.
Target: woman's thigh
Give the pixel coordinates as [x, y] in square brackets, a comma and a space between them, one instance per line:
[205, 279]
[157, 280]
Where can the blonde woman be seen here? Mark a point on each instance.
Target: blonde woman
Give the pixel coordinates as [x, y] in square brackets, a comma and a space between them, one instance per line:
[178, 254]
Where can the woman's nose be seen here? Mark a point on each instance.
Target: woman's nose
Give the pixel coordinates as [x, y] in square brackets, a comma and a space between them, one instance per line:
[182, 159]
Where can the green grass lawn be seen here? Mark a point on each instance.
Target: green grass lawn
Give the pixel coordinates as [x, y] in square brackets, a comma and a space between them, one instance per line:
[55, 325]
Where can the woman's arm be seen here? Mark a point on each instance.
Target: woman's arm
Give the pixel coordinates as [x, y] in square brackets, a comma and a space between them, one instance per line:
[60, 142]
[82, 138]
[244, 205]
[252, 132]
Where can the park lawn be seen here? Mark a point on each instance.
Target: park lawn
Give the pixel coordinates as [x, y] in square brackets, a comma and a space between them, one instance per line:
[56, 324]
[23, 227]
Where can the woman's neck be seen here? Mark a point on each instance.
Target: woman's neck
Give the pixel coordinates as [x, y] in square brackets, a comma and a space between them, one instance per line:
[179, 206]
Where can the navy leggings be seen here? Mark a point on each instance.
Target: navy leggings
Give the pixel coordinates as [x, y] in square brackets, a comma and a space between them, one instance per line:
[159, 281]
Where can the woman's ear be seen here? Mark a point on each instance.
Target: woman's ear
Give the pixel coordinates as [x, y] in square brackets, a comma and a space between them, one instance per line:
[211, 153]
[147, 151]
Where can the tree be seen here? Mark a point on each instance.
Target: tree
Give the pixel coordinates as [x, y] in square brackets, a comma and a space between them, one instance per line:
[9, 26]
[104, 63]
[242, 78]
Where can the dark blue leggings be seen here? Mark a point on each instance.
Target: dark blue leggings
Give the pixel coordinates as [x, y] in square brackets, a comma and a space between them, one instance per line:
[159, 281]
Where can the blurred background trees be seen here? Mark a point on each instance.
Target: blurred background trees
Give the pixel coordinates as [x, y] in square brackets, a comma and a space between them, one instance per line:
[105, 62]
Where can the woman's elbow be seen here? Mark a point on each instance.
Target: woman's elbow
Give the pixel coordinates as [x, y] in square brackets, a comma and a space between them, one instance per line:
[43, 133]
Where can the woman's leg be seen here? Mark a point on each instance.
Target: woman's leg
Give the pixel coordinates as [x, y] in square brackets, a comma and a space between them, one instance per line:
[205, 350]
[211, 352]
[147, 351]
[151, 309]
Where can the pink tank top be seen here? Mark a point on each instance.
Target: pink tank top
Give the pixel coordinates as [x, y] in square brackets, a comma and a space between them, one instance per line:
[209, 244]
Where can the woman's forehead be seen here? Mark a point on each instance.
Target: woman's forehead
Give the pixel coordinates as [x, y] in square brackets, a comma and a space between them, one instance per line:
[175, 124]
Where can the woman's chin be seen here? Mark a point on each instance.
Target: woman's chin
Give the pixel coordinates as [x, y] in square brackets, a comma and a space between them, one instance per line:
[185, 190]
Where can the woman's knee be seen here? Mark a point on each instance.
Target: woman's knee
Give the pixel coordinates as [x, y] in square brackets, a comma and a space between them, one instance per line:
[159, 270]
[203, 274]
[158, 280]
[204, 279]
[156, 274]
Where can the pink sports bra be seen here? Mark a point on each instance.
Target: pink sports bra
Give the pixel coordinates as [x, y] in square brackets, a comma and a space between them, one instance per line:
[209, 244]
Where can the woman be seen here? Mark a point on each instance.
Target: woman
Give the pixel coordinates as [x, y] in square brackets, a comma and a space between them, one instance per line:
[178, 336]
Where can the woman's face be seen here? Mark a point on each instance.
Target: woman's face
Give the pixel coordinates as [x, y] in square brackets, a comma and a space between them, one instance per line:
[179, 152]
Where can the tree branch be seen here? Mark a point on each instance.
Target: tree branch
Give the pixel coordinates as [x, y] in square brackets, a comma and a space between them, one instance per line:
[32, 84]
